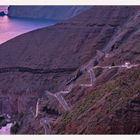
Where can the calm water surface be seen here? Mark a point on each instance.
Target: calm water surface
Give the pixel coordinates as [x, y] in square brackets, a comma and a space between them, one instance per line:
[12, 27]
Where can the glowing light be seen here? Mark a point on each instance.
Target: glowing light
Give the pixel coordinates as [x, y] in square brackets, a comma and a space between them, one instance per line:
[127, 63]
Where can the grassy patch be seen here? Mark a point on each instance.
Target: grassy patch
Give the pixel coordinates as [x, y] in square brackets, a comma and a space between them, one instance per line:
[126, 85]
[83, 105]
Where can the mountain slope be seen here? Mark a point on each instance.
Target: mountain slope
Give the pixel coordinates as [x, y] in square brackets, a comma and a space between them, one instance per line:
[110, 108]
[108, 38]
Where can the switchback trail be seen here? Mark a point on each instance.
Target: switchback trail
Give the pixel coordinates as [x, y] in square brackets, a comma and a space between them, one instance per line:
[45, 122]
[60, 98]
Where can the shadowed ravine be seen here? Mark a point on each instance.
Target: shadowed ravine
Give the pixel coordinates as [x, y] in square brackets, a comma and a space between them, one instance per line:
[36, 71]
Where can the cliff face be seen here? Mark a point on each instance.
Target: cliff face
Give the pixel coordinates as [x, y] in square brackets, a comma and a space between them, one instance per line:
[48, 12]
[69, 50]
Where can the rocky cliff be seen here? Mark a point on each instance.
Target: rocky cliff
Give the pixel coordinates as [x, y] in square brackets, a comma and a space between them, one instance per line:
[48, 12]
[92, 80]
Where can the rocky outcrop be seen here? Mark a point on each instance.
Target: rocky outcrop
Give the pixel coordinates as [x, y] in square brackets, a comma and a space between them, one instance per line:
[47, 12]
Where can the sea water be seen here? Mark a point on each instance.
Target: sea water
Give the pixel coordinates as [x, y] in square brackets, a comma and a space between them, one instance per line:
[12, 27]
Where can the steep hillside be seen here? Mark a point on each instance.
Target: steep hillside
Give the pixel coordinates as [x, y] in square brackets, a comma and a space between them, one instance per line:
[49, 68]
[110, 108]
[47, 12]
